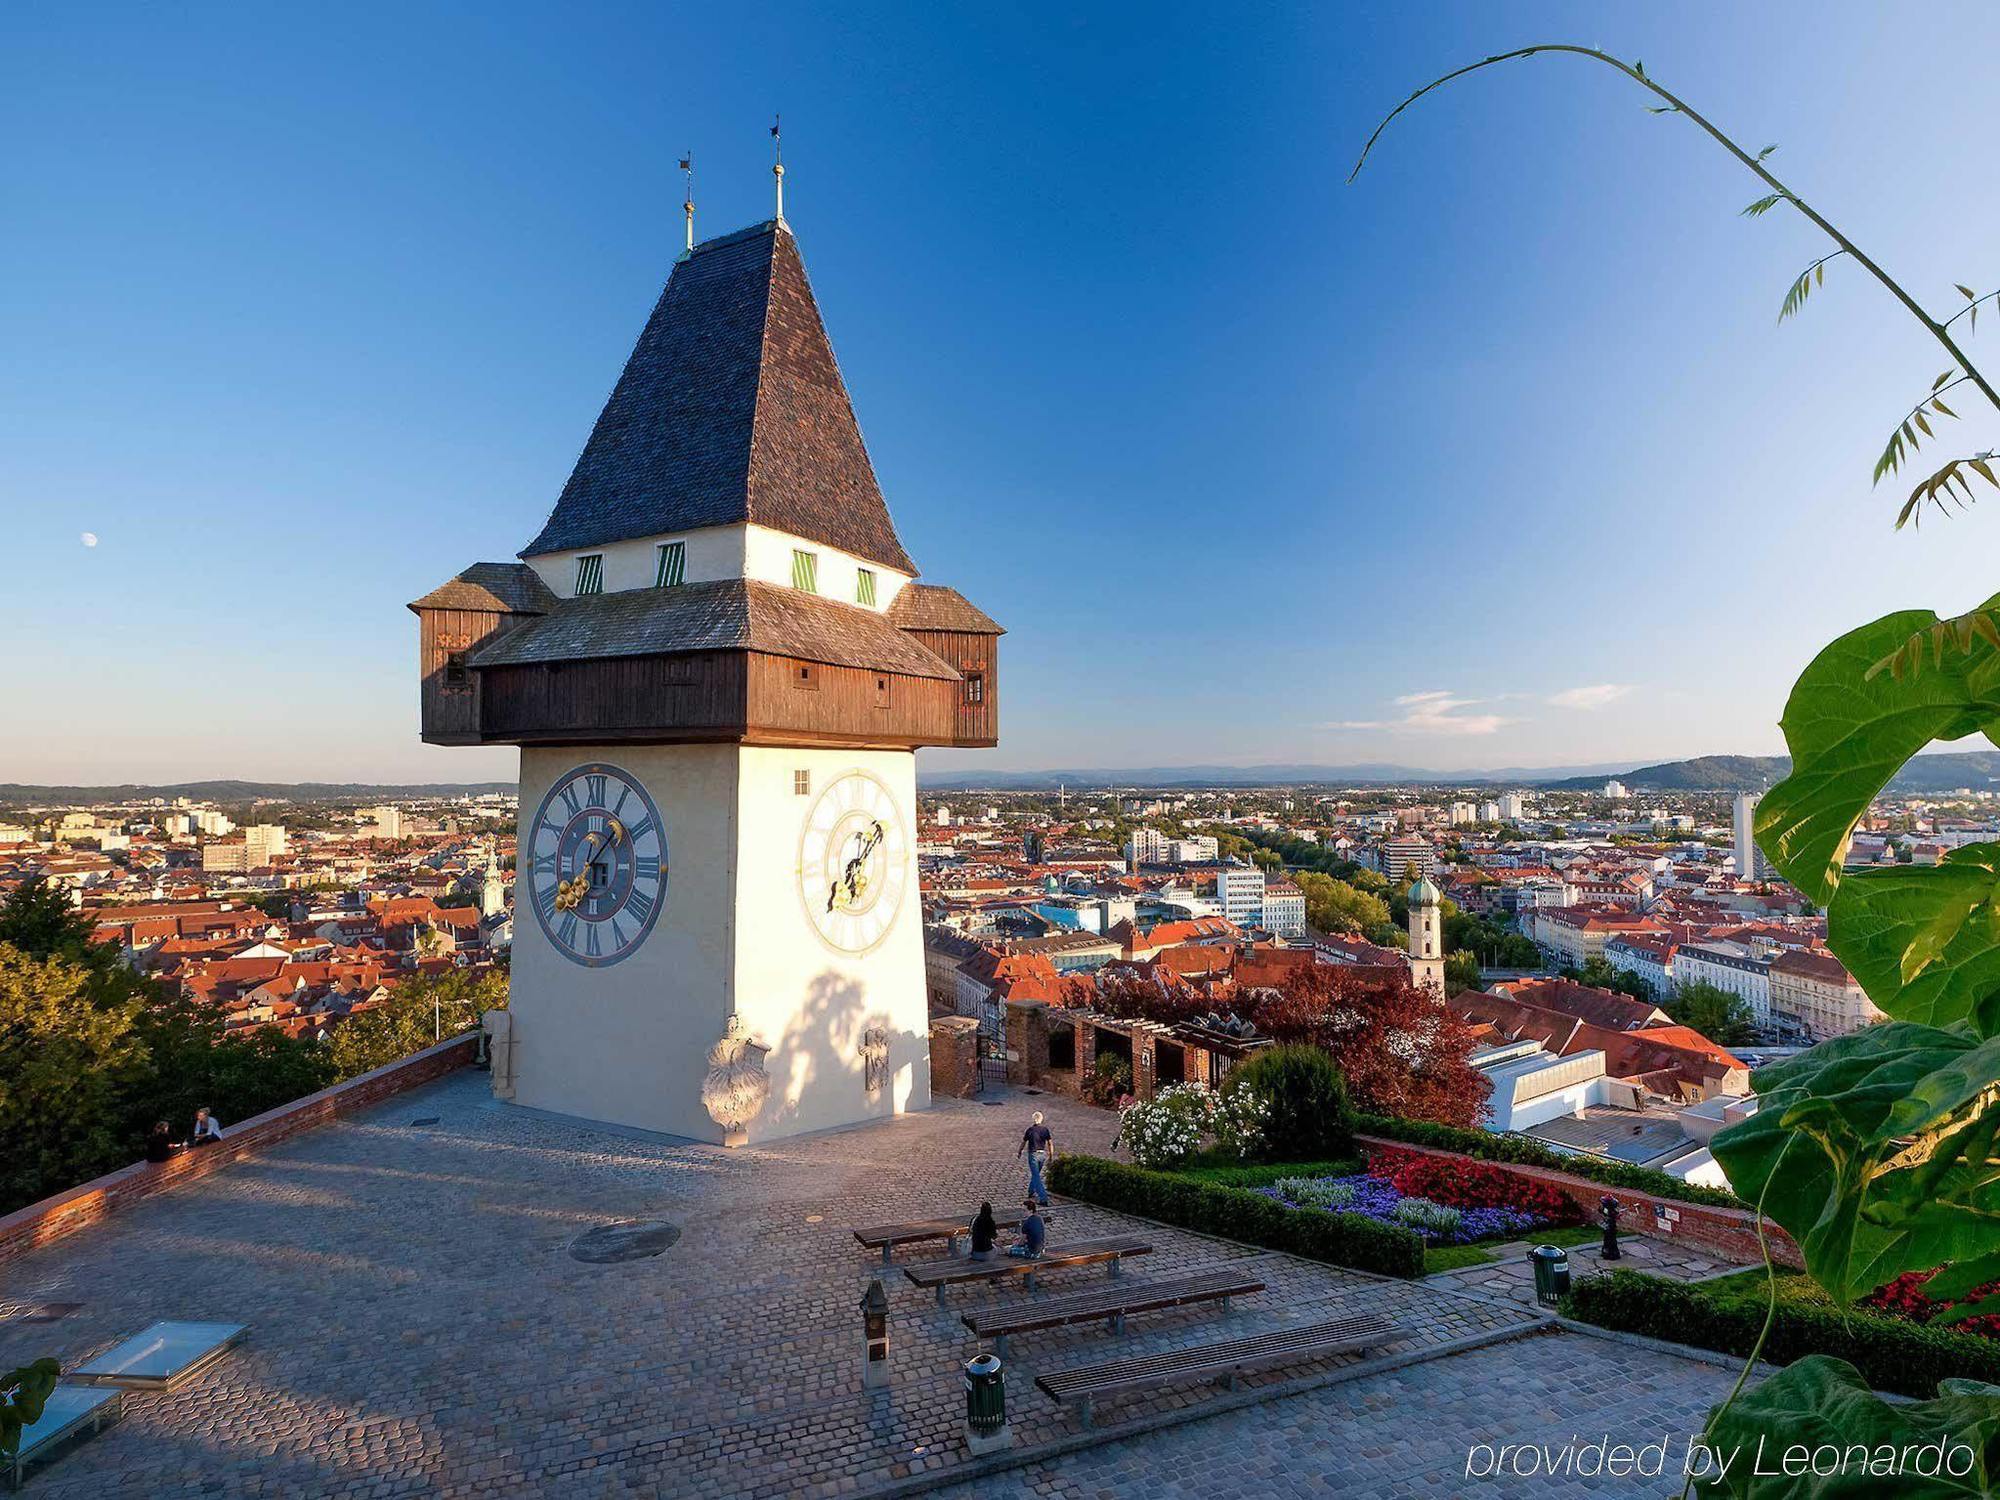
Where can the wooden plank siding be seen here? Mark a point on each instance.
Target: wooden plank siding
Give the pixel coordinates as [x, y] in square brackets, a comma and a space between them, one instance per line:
[976, 719]
[450, 710]
[730, 696]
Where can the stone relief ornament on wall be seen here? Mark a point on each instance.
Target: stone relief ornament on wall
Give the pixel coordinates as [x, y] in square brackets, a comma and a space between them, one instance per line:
[736, 1086]
[874, 1057]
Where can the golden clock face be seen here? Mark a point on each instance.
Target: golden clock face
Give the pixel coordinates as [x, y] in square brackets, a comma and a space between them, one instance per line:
[854, 862]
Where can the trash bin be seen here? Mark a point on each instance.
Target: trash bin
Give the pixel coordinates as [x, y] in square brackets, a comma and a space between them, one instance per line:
[985, 1397]
[1551, 1273]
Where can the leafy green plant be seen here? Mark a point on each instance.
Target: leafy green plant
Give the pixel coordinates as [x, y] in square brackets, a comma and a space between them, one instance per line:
[1876, 1150]
[23, 1394]
[1306, 1110]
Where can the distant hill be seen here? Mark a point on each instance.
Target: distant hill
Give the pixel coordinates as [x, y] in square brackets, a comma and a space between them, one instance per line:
[14, 793]
[1371, 773]
[1976, 769]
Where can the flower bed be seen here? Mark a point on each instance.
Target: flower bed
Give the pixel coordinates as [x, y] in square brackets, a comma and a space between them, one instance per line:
[1904, 1298]
[1471, 1185]
[1380, 1199]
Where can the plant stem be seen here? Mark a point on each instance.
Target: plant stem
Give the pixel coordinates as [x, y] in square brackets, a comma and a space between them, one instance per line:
[1936, 329]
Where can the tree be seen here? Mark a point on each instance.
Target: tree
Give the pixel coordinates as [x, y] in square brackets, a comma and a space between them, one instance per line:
[63, 1057]
[1599, 972]
[414, 1016]
[1307, 1116]
[1718, 1015]
[1461, 972]
[1336, 906]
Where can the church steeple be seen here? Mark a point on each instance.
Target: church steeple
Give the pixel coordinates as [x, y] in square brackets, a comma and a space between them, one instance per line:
[731, 409]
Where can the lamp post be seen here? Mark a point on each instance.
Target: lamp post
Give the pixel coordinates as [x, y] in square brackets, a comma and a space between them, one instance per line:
[1607, 1212]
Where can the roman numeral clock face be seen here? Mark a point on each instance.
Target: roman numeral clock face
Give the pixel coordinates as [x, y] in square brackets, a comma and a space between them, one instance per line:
[596, 858]
[854, 863]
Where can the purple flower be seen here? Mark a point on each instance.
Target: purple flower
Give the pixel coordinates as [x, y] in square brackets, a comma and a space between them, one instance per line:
[1374, 1198]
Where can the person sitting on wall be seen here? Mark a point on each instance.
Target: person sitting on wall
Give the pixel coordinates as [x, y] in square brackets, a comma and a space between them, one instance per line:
[160, 1143]
[1034, 1233]
[207, 1129]
[984, 1232]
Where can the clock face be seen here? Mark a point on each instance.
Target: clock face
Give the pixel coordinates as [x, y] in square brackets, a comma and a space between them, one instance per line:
[596, 859]
[854, 862]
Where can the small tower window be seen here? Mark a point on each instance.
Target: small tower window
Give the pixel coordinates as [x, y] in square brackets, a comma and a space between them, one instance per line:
[802, 783]
[864, 586]
[456, 675]
[882, 690]
[590, 574]
[975, 687]
[805, 571]
[673, 565]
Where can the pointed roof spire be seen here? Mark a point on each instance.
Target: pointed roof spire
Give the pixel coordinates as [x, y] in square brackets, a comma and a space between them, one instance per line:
[687, 204]
[778, 165]
[731, 409]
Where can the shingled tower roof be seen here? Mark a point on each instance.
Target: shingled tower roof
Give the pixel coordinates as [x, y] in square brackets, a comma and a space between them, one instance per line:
[730, 409]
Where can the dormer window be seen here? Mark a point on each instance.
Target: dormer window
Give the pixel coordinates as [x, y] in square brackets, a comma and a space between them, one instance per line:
[590, 574]
[805, 571]
[672, 569]
[864, 586]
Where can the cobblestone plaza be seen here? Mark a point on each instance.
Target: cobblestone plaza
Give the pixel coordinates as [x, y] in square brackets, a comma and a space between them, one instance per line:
[420, 1325]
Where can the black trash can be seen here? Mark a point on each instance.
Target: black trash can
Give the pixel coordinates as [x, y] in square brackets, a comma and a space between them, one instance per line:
[1551, 1273]
[985, 1396]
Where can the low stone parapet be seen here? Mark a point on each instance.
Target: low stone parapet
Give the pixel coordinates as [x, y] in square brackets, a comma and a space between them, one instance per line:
[65, 1213]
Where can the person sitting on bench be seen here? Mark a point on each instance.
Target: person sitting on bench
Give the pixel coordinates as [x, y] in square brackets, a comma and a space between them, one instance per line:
[1034, 1233]
[984, 1233]
[207, 1129]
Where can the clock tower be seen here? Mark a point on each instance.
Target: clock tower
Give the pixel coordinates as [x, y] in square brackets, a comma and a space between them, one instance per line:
[718, 663]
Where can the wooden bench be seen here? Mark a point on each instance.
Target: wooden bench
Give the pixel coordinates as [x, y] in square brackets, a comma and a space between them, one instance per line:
[944, 1273]
[1111, 1305]
[886, 1237]
[1223, 1361]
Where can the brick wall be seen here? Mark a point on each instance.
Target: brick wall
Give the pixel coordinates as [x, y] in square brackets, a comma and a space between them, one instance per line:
[954, 1057]
[1729, 1234]
[1027, 1024]
[64, 1214]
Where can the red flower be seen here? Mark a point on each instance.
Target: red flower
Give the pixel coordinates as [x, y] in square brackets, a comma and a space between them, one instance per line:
[1904, 1298]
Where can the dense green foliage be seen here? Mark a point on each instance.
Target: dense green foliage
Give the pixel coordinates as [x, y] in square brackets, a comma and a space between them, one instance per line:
[1307, 1116]
[1237, 1214]
[1718, 1015]
[1893, 1354]
[91, 1054]
[1520, 1151]
[415, 1016]
[1211, 1169]
[1599, 972]
[23, 1394]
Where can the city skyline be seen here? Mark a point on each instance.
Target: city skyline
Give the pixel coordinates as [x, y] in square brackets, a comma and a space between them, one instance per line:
[1252, 466]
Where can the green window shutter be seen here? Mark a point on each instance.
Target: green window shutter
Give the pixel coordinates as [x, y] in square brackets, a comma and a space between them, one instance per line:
[590, 574]
[673, 565]
[805, 571]
[864, 586]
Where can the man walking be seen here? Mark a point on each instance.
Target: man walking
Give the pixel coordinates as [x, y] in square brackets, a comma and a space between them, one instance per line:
[1040, 1147]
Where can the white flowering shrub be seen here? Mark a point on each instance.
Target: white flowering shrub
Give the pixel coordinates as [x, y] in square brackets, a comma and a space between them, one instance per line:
[1315, 1192]
[1421, 1213]
[1175, 1123]
[1238, 1122]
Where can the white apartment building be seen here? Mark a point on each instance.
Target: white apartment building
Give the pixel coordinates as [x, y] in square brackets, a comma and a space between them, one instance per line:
[213, 824]
[1489, 812]
[1463, 813]
[1728, 966]
[1750, 861]
[262, 843]
[1650, 959]
[1616, 790]
[1407, 858]
[1284, 909]
[382, 822]
[1513, 807]
[1815, 991]
[1239, 891]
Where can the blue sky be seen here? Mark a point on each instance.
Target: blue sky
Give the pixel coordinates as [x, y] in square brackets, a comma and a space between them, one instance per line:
[1493, 458]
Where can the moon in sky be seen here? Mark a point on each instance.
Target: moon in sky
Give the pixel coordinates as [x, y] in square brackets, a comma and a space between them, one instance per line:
[90, 539]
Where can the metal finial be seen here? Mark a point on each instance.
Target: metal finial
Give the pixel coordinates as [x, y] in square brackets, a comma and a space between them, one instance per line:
[687, 205]
[778, 165]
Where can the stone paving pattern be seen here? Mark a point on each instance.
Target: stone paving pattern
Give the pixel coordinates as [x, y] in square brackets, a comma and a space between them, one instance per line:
[1510, 1275]
[419, 1327]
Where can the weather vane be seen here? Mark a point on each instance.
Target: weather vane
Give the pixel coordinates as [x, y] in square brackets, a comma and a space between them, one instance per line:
[778, 165]
[687, 204]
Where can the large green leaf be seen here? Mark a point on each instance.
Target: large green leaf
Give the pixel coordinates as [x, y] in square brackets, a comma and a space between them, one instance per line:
[1871, 1447]
[1850, 728]
[23, 1394]
[1925, 942]
[1874, 1152]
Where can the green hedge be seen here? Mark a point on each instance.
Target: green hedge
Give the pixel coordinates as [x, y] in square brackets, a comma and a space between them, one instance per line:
[1892, 1354]
[1265, 1173]
[1238, 1214]
[1521, 1152]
